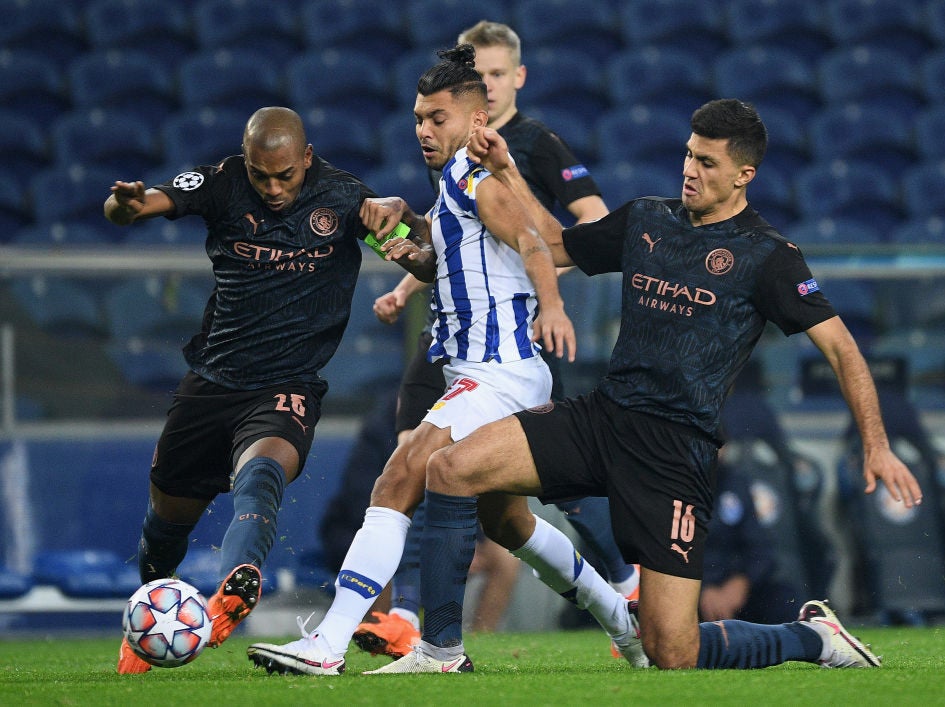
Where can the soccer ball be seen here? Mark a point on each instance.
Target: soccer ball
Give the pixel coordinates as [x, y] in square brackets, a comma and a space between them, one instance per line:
[166, 623]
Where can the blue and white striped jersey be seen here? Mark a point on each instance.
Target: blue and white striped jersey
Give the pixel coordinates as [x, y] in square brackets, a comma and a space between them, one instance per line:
[483, 300]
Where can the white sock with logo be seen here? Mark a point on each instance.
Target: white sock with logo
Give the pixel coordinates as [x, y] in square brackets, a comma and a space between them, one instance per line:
[370, 564]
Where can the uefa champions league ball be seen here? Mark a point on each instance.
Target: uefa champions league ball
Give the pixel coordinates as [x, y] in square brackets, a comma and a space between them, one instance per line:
[166, 623]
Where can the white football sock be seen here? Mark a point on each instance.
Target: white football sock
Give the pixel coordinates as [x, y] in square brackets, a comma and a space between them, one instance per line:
[556, 563]
[372, 560]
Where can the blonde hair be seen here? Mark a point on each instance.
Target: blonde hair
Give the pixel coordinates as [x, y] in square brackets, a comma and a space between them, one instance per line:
[493, 34]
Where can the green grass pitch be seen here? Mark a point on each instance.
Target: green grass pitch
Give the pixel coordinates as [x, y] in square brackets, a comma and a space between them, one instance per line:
[553, 668]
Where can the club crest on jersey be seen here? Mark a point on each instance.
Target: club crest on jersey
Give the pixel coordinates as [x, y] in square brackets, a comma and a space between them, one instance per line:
[323, 221]
[719, 261]
[805, 288]
[188, 181]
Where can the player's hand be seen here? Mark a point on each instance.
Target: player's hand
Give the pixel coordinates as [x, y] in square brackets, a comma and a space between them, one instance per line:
[555, 331]
[489, 149]
[388, 307]
[381, 215]
[129, 195]
[899, 481]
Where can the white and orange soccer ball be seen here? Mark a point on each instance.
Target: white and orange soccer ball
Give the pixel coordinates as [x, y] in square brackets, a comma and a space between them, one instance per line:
[166, 623]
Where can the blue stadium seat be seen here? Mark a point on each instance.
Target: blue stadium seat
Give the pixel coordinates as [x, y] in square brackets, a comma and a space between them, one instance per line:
[398, 140]
[32, 85]
[590, 28]
[923, 189]
[14, 208]
[13, 584]
[437, 23]
[238, 80]
[88, 573]
[691, 25]
[353, 370]
[61, 307]
[353, 81]
[623, 180]
[856, 301]
[798, 26]
[267, 29]
[104, 139]
[376, 26]
[880, 24]
[788, 146]
[49, 27]
[153, 367]
[23, 146]
[131, 81]
[347, 140]
[409, 180]
[875, 77]
[935, 20]
[406, 72]
[198, 137]
[831, 231]
[771, 194]
[919, 232]
[73, 194]
[929, 129]
[661, 77]
[932, 71]
[855, 132]
[163, 31]
[639, 133]
[564, 78]
[768, 76]
[571, 126]
[165, 310]
[856, 191]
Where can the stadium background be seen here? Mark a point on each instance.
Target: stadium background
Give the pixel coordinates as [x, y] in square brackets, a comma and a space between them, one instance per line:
[93, 317]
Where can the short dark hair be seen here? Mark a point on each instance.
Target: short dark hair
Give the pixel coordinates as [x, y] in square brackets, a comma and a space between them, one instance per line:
[736, 121]
[456, 73]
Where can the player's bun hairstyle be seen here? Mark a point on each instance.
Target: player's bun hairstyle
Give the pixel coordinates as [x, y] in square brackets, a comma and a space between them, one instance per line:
[455, 72]
[736, 121]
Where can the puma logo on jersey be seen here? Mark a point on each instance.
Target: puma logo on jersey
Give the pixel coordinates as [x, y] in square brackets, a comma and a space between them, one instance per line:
[650, 242]
[252, 220]
[685, 553]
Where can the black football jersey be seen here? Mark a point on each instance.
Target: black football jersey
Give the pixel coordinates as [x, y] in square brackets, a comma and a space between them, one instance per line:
[284, 280]
[694, 302]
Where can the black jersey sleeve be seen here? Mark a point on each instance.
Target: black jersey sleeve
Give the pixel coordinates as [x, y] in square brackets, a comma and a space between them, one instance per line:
[597, 247]
[559, 172]
[787, 293]
[200, 190]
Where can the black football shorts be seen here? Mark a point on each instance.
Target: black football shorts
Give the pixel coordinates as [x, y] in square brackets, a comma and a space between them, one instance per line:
[659, 476]
[421, 386]
[208, 427]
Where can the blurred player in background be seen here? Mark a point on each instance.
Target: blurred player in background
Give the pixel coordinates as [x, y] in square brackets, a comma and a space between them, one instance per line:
[283, 229]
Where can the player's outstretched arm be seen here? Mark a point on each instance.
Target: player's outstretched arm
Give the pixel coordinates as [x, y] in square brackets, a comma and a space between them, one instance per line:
[488, 148]
[879, 462]
[506, 218]
[130, 201]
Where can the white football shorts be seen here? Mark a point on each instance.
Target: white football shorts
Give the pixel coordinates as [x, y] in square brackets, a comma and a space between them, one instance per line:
[480, 393]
